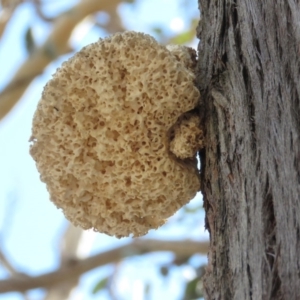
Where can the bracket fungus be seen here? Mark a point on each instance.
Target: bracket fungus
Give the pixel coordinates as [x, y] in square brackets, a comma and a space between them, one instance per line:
[112, 137]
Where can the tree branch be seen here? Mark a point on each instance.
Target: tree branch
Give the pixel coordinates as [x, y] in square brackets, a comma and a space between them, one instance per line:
[76, 268]
[71, 240]
[55, 45]
[5, 262]
[5, 16]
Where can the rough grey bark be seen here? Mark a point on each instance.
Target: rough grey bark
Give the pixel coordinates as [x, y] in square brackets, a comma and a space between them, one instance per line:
[248, 74]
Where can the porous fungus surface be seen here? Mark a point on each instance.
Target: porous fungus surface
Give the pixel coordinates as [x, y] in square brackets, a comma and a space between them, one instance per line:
[187, 137]
[185, 55]
[100, 135]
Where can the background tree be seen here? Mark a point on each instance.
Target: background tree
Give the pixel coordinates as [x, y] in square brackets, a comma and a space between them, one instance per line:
[54, 30]
[249, 78]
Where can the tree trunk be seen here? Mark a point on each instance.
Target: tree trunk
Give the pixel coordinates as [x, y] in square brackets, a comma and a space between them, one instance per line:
[248, 74]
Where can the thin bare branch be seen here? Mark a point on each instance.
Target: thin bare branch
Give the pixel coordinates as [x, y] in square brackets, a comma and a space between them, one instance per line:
[70, 243]
[5, 16]
[12, 271]
[115, 23]
[55, 45]
[39, 11]
[10, 3]
[5, 262]
[78, 267]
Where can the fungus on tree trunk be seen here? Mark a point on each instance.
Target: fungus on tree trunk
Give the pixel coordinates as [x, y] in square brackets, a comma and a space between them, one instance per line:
[105, 129]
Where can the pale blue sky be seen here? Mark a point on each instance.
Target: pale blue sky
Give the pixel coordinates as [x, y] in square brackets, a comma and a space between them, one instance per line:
[30, 225]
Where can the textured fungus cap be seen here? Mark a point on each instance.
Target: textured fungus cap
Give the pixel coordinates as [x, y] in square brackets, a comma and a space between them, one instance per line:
[101, 135]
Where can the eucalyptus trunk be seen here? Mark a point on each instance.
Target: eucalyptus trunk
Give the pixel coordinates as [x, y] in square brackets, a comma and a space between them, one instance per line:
[248, 74]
